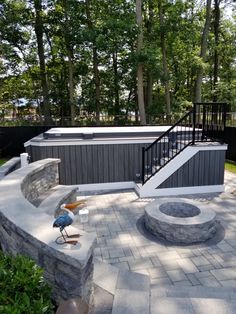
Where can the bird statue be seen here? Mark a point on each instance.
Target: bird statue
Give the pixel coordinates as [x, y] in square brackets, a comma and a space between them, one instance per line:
[66, 219]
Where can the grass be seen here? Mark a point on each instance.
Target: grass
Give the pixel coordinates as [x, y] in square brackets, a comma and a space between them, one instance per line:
[2, 161]
[230, 166]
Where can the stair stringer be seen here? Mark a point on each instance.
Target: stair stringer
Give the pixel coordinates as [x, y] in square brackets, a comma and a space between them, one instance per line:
[150, 188]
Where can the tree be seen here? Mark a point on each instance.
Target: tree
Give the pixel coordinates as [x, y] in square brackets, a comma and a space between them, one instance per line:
[115, 57]
[164, 59]
[216, 54]
[96, 74]
[41, 55]
[199, 75]
[140, 64]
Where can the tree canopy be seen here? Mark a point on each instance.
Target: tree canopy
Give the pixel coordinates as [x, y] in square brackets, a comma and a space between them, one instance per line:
[66, 60]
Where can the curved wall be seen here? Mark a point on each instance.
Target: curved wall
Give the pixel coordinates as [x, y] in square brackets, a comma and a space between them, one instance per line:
[24, 229]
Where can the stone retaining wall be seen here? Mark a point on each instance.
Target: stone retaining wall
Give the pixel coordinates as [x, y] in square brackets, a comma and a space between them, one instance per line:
[40, 180]
[26, 230]
[9, 166]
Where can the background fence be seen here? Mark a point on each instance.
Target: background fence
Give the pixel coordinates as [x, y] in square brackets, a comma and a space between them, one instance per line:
[12, 139]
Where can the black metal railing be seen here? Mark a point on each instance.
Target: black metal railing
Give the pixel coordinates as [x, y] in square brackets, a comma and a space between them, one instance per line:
[205, 122]
[211, 118]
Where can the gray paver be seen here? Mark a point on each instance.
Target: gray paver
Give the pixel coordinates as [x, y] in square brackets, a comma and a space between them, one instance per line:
[157, 272]
[187, 265]
[228, 283]
[173, 306]
[170, 264]
[103, 301]
[122, 265]
[130, 302]
[193, 279]
[209, 281]
[155, 261]
[115, 253]
[224, 273]
[176, 275]
[141, 263]
[163, 281]
[107, 282]
[206, 306]
[225, 247]
[132, 281]
[200, 261]
[204, 267]
[183, 283]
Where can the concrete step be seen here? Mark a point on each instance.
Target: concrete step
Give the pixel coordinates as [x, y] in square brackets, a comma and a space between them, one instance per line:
[120, 291]
[131, 302]
[105, 276]
[192, 306]
[132, 293]
[197, 300]
[228, 293]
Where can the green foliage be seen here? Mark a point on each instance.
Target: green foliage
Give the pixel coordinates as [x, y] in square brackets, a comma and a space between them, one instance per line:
[102, 39]
[2, 161]
[22, 288]
[230, 166]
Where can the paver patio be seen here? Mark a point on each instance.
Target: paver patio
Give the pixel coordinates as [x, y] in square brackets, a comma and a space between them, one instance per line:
[114, 215]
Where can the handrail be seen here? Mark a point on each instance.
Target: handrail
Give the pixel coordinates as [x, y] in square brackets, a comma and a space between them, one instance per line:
[168, 131]
[204, 122]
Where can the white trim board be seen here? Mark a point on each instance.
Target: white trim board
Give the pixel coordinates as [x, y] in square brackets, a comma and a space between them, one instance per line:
[183, 190]
[79, 142]
[106, 186]
[175, 164]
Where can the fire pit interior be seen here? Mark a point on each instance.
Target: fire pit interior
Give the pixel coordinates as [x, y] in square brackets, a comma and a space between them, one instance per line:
[179, 209]
[180, 220]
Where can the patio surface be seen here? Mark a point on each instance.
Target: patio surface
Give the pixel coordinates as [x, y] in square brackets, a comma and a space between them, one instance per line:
[114, 215]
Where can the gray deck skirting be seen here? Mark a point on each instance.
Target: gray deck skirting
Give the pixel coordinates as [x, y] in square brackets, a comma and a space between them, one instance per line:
[205, 168]
[90, 164]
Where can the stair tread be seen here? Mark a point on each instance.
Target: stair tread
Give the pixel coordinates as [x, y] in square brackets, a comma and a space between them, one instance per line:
[132, 281]
[105, 276]
[131, 302]
[192, 306]
[195, 292]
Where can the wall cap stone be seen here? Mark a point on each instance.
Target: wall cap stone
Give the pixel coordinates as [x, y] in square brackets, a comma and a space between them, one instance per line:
[17, 209]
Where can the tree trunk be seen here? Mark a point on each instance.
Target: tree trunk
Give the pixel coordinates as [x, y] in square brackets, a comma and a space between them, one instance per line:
[149, 92]
[140, 65]
[71, 85]
[43, 74]
[116, 86]
[96, 75]
[198, 82]
[164, 61]
[149, 71]
[216, 55]
[69, 51]
[97, 82]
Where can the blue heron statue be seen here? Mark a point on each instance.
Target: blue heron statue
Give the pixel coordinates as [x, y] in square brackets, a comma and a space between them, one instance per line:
[66, 219]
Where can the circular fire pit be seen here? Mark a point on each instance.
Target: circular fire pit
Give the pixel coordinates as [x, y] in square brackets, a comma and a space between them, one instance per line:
[180, 220]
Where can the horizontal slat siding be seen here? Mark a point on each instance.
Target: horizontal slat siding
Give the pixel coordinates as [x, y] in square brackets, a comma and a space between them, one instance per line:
[205, 168]
[84, 164]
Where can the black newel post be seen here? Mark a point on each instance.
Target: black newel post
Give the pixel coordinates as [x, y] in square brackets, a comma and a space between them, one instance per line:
[143, 163]
[194, 123]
